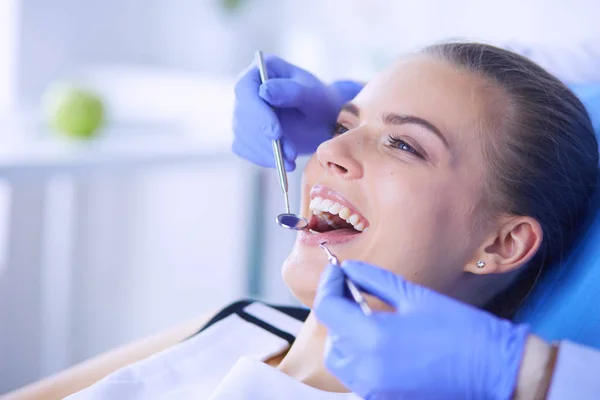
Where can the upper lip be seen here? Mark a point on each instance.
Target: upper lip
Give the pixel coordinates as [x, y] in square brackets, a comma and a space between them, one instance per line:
[327, 193]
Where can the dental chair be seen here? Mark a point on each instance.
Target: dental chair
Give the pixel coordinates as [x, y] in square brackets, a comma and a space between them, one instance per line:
[565, 304]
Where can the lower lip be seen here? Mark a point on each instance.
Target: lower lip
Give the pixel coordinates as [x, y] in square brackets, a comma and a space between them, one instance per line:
[333, 237]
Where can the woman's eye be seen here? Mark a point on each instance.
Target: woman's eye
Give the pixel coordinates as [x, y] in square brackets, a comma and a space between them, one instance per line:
[400, 144]
[339, 129]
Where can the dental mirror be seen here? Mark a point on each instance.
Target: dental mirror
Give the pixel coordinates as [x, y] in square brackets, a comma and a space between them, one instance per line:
[287, 220]
[292, 221]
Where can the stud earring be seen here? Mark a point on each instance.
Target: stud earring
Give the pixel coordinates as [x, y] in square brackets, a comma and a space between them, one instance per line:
[480, 264]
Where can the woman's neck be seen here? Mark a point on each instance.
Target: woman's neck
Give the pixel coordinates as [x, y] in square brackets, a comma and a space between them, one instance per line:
[304, 360]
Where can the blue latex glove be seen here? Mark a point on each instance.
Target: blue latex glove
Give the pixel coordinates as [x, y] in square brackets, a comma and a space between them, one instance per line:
[293, 105]
[431, 347]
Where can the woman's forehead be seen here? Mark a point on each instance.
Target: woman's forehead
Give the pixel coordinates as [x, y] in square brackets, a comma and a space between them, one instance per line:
[450, 97]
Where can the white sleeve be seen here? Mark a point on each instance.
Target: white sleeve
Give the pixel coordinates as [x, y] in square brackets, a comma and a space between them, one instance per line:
[576, 373]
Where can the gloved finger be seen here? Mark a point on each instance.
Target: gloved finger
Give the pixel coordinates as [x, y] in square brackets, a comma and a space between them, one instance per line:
[284, 93]
[252, 137]
[258, 150]
[340, 359]
[277, 67]
[248, 83]
[348, 90]
[247, 132]
[290, 166]
[331, 306]
[254, 156]
[257, 145]
[255, 117]
[377, 281]
[251, 112]
[289, 153]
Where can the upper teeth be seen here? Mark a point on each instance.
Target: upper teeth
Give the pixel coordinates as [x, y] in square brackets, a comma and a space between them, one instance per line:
[319, 205]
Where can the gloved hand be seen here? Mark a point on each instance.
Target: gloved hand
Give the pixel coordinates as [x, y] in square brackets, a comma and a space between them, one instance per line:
[293, 105]
[431, 347]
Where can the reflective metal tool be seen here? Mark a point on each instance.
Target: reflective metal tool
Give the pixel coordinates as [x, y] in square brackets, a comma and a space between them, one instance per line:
[287, 220]
[356, 295]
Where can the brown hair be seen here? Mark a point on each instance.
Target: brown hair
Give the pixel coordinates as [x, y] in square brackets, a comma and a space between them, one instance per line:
[543, 164]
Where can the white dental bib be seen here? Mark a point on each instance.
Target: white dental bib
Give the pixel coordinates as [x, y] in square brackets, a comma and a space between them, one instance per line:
[222, 362]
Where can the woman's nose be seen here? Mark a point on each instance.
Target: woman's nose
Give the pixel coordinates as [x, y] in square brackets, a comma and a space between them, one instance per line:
[336, 157]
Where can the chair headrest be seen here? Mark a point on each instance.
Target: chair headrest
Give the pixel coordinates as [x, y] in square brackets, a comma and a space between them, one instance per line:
[589, 94]
[565, 304]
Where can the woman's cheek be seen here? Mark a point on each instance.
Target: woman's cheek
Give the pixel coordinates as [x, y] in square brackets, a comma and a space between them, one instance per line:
[312, 166]
[311, 174]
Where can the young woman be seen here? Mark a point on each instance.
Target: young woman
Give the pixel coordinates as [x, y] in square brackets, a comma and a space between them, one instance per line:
[464, 168]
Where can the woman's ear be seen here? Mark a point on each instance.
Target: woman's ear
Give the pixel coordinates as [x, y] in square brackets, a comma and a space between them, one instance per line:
[511, 246]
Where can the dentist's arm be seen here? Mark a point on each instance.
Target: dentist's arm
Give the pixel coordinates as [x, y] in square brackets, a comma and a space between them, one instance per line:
[435, 347]
[293, 105]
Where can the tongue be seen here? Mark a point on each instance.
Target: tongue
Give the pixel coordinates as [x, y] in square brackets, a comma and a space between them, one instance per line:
[321, 225]
[341, 223]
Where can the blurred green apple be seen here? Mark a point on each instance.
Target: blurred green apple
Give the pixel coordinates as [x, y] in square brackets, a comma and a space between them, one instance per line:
[73, 111]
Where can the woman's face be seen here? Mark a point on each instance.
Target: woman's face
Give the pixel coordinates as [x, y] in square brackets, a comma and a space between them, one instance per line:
[406, 158]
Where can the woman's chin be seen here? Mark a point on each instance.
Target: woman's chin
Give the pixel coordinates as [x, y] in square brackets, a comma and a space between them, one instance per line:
[301, 272]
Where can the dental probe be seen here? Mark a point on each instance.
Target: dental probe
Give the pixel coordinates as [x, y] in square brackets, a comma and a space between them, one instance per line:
[356, 295]
[287, 220]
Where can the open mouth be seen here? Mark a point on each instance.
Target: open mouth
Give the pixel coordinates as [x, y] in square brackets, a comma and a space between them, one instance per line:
[332, 216]
[333, 219]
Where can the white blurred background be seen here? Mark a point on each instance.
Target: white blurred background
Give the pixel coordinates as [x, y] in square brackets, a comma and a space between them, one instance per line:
[154, 222]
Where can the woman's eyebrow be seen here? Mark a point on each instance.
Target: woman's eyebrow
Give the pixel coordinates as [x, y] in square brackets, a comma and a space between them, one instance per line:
[352, 109]
[400, 119]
